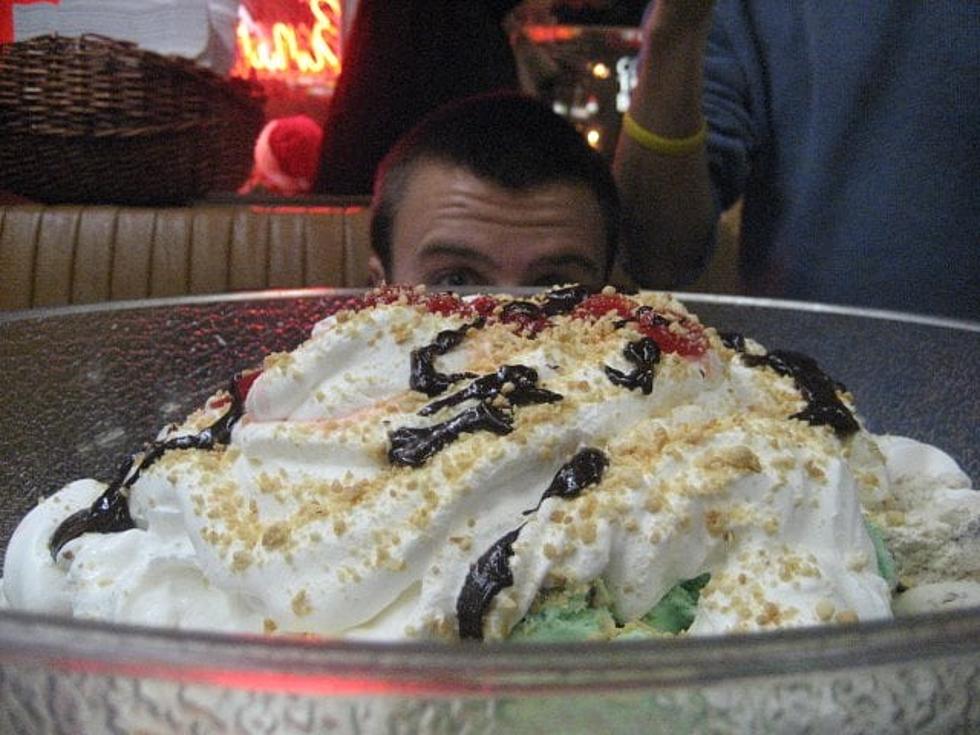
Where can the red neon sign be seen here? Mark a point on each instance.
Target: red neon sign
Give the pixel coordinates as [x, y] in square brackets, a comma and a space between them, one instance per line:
[291, 51]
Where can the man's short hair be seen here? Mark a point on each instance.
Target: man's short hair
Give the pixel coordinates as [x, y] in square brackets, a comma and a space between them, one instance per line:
[509, 139]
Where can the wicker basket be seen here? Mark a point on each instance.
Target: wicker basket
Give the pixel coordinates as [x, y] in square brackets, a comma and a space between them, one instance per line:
[95, 120]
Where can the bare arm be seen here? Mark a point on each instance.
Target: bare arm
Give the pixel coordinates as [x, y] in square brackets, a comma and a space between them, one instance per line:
[667, 199]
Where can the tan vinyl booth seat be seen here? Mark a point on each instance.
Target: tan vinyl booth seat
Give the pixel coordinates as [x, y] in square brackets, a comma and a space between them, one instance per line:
[58, 255]
[72, 254]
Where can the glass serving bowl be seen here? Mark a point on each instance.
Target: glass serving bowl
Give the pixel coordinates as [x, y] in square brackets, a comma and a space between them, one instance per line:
[82, 387]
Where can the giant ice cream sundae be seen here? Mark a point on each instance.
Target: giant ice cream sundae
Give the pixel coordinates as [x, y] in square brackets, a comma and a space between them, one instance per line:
[563, 466]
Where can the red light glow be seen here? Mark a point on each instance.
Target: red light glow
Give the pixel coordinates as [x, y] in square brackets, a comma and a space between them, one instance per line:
[315, 684]
[291, 51]
[552, 34]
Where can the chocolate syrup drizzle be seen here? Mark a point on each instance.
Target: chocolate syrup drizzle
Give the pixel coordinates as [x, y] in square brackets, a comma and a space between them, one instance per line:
[110, 511]
[733, 341]
[490, 574]
[645, 354]
[654, 318]
[824, 407]
[581, 471]
[521, 309]
[413, 446]
[563, 300]
[523, 379]
[424, 376]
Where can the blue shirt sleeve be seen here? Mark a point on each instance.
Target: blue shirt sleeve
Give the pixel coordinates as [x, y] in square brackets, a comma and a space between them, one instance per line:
[726, 104]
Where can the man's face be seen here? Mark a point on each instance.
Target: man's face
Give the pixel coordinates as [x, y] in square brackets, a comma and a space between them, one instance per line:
[454, 229]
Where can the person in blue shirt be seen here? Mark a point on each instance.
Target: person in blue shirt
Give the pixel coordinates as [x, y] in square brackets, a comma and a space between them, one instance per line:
[849, 130]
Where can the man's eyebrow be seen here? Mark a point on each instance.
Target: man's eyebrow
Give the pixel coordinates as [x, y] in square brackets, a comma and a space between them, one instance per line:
[452, 249]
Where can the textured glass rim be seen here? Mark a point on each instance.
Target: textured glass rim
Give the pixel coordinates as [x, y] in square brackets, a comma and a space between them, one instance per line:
[324, 667]
[333, 667]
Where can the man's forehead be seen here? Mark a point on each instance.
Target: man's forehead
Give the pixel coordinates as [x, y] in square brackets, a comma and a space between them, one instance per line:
[439, 194]
[450, 220]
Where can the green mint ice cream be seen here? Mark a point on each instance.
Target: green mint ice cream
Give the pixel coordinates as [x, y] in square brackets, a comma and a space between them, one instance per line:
[585, 614]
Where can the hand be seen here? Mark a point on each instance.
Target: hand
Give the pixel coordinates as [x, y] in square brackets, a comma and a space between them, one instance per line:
[679, 18]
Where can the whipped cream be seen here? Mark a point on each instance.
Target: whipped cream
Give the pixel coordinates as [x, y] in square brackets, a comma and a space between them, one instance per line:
[424, 466]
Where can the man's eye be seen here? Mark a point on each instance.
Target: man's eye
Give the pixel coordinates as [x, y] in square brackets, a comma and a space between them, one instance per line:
[459, 277]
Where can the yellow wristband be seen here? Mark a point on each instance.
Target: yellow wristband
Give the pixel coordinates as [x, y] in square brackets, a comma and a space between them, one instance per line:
[659, 144]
